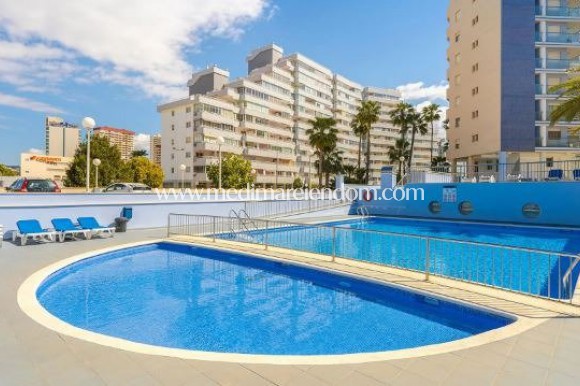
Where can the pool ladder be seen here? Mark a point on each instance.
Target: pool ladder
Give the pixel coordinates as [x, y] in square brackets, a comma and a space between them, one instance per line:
[243, 220]
[363, 212]
[567, 278]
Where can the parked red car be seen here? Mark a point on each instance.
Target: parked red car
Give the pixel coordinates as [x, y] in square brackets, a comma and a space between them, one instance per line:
[36, 185]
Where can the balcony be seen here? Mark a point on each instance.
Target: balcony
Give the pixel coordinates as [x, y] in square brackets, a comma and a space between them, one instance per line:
[564, 143]
[557, 64]
[558, 38]
[572, 12]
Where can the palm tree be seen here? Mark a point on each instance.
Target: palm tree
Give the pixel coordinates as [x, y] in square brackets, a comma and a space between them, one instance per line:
[322, 137]
[358, 130]
[368, 114]
[569, 110]
[401, 116]
[398, 153]
[431, 114]
[418, 126]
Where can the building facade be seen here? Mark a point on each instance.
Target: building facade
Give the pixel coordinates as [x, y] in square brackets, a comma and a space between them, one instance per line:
[122, 138]
[264, 117]
[43, 166]
[504, 56]
[61, 138]
[155, 149]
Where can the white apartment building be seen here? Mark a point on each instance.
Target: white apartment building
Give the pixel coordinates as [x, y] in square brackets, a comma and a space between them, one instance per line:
[264, 117]
[61, 138]
[155, 149]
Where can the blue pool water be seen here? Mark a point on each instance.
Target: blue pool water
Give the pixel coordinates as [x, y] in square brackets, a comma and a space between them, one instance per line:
[549, 274]
[201, 299]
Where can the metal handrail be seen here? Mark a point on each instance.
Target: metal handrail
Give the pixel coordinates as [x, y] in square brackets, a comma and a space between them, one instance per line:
[535, 279]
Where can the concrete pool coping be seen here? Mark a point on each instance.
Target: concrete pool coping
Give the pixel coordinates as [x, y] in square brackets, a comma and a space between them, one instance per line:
[527, 316]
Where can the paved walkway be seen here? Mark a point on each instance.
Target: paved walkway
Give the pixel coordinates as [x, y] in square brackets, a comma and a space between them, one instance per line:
[33, 355]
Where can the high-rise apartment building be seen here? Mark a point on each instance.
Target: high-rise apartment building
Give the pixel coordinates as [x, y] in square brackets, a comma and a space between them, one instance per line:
[504, 55]
[155, 149]
[61, 138]
[122, 138]
[264, 117]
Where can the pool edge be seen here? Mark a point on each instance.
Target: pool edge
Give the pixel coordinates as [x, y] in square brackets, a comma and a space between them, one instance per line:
[30, 305]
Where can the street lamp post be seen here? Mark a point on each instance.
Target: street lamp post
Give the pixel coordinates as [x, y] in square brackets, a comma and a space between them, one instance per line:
[220, 142]
[276, 177]
[310, 154]
[89, 124]
[182, 167]
[402, 168]
[97, 163]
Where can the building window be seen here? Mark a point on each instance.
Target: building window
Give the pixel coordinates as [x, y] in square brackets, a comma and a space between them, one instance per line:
[172, 127]
[188, 124]
[475, 138]
[457, 122]
[475, 67]
[458, 58]
[187, 154]
[475, 114]
[457, 146]
[172, 113]
[457, 37]
[466, 208]
[188, 109]
[549, 162]
[475, 91]
[475, 20]
[435, 207]
[531, 210]
[458, 15]
[458, 79]
[172, 170]
[187, 139]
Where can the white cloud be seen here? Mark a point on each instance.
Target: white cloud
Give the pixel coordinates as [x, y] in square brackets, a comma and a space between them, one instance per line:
[28, 104]
[137, 43]
[141, 142]
[34, 150]
[419, 91]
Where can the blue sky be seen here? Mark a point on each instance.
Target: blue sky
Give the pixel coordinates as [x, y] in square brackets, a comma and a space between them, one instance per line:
[116, 61]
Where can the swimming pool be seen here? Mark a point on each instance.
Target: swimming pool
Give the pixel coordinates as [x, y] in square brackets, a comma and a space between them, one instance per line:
[195, 298]
[494, 255]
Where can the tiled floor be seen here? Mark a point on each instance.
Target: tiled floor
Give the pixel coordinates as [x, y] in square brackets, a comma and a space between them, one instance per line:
[33, 355]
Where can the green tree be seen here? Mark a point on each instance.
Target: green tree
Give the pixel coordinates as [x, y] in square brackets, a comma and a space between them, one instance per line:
[332, 164]
[569, 91]
[358, 130]
[431, 114]
[402, 116]
[322, 137]
[367, 115]
[139, 153]
[236, 172]
[418, 126]
[297, 184]
[110, 169]
[6, 171]
[142, 170]
[398, 153]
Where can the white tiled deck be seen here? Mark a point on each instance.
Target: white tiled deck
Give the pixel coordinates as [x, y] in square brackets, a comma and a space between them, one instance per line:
[33, 355]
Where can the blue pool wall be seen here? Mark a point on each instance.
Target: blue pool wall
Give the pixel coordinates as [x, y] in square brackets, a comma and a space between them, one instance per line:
[559, 203]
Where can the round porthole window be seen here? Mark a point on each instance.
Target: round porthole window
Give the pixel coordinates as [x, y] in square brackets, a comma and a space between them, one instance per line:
[531, 210]
[435, 207]
[466, 208]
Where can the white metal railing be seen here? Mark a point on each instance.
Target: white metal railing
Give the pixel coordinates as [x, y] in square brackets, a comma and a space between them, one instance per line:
[538, 273]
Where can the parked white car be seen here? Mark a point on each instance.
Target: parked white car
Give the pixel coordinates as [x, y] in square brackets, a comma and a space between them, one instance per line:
[127, 187]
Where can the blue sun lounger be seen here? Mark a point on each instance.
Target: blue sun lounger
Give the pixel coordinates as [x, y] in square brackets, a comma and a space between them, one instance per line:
[91, 224]
[65, 227]
[31, 229]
